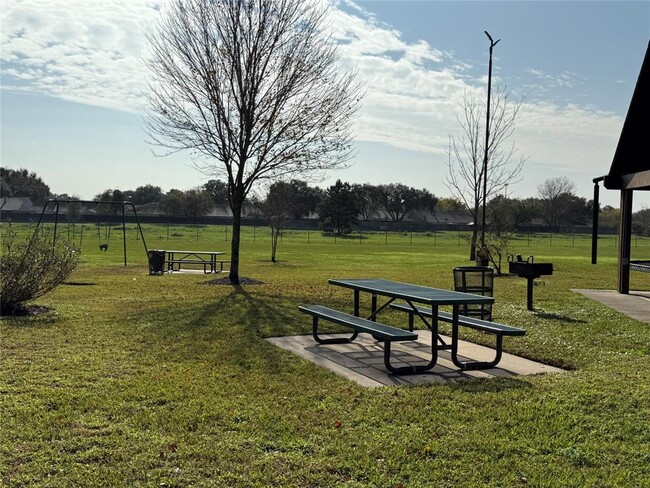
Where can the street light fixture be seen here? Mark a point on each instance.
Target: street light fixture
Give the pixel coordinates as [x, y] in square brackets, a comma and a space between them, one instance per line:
[487, 136]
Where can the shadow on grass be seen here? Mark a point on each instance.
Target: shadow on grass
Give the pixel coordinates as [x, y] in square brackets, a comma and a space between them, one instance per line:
[229, 329]
[555, 316]
[493, 385]
[31, 316]
[280, 263]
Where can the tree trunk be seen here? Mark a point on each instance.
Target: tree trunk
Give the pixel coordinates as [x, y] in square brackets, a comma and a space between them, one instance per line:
[234, 245]
[473, 242]
[472, 245]
[274, 242]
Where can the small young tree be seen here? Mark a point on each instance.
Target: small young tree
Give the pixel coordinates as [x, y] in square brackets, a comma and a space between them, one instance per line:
[29, 268]
[466, 154]
[278, 208]
[497, 247]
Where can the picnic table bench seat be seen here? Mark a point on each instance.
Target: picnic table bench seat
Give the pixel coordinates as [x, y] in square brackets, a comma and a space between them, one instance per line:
[472, 322]
[380, 332]
[640, 265]
[206, 264]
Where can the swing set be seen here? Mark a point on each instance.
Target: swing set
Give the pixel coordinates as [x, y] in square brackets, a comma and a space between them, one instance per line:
[103, 244]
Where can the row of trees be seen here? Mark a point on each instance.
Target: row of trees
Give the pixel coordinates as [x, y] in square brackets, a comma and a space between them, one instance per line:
[343, 204]
[23, 183]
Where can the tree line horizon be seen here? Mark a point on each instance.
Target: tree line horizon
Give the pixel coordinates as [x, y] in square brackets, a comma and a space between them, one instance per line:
[342, 205]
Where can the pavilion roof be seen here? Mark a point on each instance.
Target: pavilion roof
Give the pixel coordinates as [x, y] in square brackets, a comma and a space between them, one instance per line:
[630, 168]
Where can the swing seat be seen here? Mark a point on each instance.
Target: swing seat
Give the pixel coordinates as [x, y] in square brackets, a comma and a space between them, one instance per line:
[103, 247]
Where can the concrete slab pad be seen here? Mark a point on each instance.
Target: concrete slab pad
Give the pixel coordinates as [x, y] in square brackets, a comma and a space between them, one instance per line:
[636, 304]
[363, 360]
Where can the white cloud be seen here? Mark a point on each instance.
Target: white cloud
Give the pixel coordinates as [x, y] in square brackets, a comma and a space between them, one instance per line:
[81, 51]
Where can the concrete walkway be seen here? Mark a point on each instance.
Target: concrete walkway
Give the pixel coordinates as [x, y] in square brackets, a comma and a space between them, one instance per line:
[363, 360]
[636, 304]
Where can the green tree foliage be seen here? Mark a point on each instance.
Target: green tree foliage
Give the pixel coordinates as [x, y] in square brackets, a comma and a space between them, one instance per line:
[525, 210]
[554, 194]
[218, 191]
[369, 198]
[501, 215]
[145, 194]
[116, 196]
[306, 198]
[191, 203]
[610, 217]
[198, 202]
[339, 208]
[22, 183]
[574, 210]
[450, 204]
[173, 203]
[641, 222]
[398, 200]
[29, 268]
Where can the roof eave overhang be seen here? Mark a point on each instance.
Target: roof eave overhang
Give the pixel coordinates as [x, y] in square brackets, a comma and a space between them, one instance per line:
[632, 181]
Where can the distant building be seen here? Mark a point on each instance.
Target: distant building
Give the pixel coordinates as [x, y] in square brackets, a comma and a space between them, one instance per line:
[17, 204]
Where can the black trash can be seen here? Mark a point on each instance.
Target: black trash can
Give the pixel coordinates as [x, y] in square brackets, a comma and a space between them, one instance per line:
[478, 280]
[156, 261]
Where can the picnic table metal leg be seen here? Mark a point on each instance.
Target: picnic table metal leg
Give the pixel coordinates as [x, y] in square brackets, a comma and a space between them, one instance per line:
[356, 303]
[472, 365]
[434, 328]
[335, 340]
[411, 369]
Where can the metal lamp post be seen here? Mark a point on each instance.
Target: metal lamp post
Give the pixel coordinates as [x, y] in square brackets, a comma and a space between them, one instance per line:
[487, 137]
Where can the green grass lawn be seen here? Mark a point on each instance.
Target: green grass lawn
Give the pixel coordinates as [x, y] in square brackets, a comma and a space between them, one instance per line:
[140, 380]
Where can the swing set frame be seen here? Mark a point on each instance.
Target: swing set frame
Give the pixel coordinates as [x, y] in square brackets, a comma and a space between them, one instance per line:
[55, 208]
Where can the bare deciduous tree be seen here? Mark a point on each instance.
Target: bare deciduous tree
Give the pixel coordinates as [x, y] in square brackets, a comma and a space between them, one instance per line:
[552, 193]
[466, 153]
[252, 87]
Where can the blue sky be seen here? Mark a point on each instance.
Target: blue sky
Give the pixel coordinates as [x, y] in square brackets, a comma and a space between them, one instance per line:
[72, 82]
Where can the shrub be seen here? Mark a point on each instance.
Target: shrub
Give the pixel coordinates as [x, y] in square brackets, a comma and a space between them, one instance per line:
[29, 268]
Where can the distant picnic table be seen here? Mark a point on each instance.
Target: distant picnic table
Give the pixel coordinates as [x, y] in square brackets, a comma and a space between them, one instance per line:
[208, 260]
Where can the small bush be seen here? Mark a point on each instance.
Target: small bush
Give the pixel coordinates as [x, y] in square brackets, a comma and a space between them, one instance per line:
[29, 268]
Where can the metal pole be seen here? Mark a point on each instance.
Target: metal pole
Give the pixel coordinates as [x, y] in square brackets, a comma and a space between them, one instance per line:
[124, 230]
[487, 137]
[594, 227]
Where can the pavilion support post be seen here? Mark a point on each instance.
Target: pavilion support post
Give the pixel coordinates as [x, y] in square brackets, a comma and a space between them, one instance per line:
[625, 241]
[594, 226]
